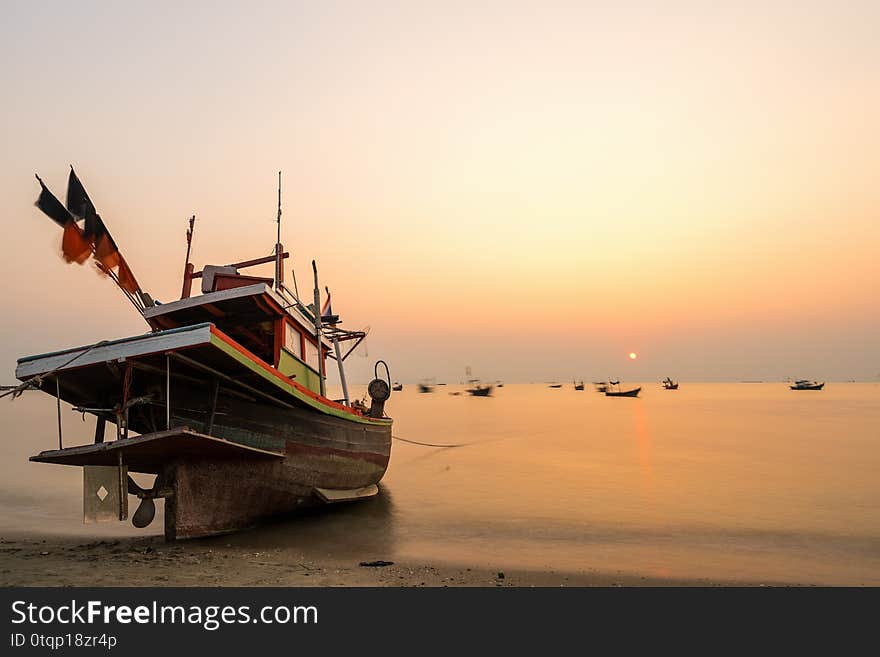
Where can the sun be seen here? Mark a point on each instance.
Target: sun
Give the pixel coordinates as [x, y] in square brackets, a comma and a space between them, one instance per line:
[633, 355]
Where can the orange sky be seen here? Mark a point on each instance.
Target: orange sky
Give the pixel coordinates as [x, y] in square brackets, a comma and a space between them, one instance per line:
[532, 189]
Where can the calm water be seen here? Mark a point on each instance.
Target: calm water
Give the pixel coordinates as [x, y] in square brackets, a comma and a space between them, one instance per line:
[721, 481]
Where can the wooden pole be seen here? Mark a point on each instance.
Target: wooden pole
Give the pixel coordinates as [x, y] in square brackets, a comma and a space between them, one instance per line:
[187, 266]
[58, 407]
[167, 391]
[318, 329]
[341, 370]
[279, 271]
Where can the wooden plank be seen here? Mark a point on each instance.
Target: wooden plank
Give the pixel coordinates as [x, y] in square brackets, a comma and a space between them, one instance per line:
[149, 452]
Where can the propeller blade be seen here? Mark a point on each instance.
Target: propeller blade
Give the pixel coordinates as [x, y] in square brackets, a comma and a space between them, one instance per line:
[135, 489]
[145, 513]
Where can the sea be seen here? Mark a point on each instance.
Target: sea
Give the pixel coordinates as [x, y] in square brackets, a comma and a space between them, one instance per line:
[749, 482]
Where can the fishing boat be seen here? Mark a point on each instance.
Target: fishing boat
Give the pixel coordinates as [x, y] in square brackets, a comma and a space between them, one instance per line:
[601, 386]
[397, 386]
[477, 389]
[578, 385]
[807, 384]
[555, 385]
[223, 401]
[425, 387]
[634, 392]
[669, 384]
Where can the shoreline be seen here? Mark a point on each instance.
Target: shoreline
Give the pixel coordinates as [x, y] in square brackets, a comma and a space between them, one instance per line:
[72, 561]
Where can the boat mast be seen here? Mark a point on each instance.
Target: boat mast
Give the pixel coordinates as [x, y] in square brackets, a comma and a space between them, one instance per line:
[278, 249]
[318, 330]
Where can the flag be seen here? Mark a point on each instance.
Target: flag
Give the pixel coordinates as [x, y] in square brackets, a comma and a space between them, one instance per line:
[78, 243]
[78, 202]
[126, 279]
[325, 311]
[74, 246]
[80, 205]
[51, 206]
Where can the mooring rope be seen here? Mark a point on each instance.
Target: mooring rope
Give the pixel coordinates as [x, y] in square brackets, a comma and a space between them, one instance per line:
[37, 381]
[415, 442]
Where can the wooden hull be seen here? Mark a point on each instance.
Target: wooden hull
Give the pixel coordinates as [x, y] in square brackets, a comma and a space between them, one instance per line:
[320, 452]
[215, 497]
[674, 386]
[626, 393]
[480, 392]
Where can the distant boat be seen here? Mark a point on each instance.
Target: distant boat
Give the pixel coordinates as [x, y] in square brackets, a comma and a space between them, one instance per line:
[806, 384]
[425, 387]
[601, 386]
[622, 393]
[477, 389]
[579, 385]
[669, 384]
[398, 386]
[625, 393]
[499, 384]
[555, 385]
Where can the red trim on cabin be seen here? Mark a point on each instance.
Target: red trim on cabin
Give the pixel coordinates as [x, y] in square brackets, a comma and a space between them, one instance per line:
[271, 370]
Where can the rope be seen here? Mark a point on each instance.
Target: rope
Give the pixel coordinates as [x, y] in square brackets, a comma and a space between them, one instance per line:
[415, 442]
[37, 381]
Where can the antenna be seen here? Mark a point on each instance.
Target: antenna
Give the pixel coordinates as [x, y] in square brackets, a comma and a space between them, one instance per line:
[279, 271]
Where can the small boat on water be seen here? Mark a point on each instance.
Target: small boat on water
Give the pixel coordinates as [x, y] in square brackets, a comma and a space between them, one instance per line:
[669, 384]
[807, 384]
[555, 385]
[397, 386]
[223, 401]
[622, 393]
[601, 386]
[579, 385]
[625, 393]
[425, 387]
[477, 389]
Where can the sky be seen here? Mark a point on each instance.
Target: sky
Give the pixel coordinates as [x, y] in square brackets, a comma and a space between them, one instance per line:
[531, 189]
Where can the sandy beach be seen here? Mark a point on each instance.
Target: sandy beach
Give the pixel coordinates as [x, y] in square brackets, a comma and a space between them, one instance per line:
[73, 561]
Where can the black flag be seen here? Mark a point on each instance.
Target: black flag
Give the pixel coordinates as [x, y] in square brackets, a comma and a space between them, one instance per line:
[80, 205]
[78, 202]
[51, 206]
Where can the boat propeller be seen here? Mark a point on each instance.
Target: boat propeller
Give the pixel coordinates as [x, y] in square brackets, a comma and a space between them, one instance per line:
[146, 510]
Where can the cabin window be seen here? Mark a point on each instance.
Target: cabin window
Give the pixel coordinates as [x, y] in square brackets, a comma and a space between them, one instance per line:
[292, 340]
[311, 356]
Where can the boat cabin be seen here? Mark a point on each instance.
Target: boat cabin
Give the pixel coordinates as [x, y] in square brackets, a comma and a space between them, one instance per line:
[279, 331]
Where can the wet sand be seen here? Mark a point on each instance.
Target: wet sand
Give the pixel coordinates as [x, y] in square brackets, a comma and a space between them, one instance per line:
[72, 561]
